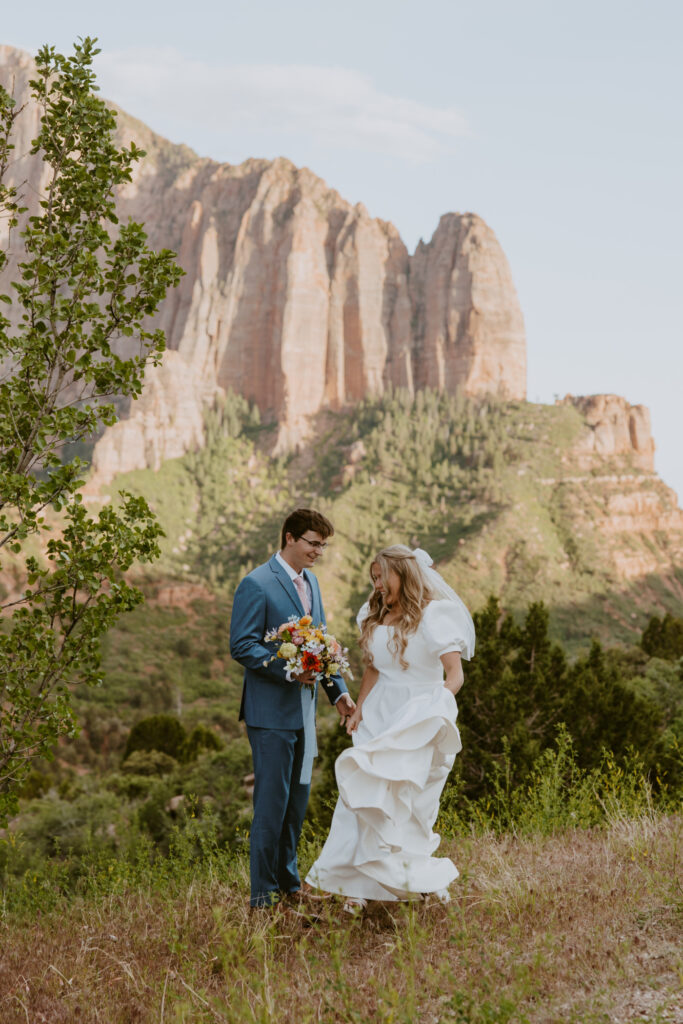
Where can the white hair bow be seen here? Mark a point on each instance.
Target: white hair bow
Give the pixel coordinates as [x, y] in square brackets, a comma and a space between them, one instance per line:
[424, 559]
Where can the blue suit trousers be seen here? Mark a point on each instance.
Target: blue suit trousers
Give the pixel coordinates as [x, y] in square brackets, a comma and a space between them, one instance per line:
[279, 807]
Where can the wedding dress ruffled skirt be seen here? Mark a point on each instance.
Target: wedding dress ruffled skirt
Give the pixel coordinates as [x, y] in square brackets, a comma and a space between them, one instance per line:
[381, 844]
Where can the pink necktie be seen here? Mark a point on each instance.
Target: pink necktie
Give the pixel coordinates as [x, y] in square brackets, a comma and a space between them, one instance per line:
[302, 591]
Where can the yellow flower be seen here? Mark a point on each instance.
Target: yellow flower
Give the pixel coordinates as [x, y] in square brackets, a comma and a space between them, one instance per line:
[287, 651]
[334, 668]
[305, 620]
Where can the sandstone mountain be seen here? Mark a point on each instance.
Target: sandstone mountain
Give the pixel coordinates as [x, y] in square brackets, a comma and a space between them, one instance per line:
[613, 427]
[305, 305]
[293, 297]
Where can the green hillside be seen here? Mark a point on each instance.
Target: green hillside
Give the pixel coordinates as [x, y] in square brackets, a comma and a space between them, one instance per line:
[490, 489]
[466, 480]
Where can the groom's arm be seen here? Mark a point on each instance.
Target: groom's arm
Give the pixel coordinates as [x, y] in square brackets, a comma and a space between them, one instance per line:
[335, 687]
[247, 628]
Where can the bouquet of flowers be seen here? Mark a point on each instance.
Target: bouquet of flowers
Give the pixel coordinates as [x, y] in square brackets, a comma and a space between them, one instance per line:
[308, 648]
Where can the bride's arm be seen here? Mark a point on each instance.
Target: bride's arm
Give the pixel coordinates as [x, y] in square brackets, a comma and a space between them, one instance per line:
[369, 679]
[452, 663]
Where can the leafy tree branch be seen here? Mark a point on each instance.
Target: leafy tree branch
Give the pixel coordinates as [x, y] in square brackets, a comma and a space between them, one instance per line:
[86, 288]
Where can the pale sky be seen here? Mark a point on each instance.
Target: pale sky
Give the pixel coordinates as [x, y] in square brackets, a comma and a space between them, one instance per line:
[559, 124]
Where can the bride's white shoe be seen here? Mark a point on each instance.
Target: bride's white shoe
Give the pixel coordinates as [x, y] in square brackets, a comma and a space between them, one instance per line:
[441, 896]
[355, 906]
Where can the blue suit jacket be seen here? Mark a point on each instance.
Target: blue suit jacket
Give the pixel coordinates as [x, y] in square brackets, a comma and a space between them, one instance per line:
[264, 600]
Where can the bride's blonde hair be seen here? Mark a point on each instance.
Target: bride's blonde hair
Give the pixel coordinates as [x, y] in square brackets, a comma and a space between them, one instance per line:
[413, 596]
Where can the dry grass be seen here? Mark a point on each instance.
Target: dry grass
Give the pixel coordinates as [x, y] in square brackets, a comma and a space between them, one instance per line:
[583, 927]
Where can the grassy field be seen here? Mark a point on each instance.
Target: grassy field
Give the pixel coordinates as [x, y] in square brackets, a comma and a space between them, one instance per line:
[582, 926]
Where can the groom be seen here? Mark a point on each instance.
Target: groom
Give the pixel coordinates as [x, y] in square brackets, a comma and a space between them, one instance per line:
[280, 716]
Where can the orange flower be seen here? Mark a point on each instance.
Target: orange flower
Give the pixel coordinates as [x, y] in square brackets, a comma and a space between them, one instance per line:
[310, 663]
[305, 620]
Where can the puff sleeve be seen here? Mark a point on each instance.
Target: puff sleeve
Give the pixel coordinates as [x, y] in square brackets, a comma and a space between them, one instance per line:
[448, 627]
[363, 614]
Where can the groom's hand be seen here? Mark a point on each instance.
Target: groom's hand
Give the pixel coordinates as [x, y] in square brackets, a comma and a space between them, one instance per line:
[345, 706]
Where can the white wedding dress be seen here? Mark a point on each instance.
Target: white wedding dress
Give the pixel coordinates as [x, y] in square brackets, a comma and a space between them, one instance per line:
[381, 841]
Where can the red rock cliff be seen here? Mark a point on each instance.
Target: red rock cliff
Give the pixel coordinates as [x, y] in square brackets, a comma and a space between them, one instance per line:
[295, 298]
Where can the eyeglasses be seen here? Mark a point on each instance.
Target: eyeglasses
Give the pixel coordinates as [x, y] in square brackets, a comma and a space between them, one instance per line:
[317, 544]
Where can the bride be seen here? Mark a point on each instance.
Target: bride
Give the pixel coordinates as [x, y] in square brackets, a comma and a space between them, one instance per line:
[413, 629]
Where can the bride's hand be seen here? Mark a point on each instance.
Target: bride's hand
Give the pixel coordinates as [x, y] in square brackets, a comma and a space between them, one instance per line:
[454, 675]
[353, 721]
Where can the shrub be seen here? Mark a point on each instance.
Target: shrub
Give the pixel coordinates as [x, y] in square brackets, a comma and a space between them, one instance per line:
[79, 826]
[557, 794]
[199, 739]
[663, 638]
[159, 732]
[148, 762]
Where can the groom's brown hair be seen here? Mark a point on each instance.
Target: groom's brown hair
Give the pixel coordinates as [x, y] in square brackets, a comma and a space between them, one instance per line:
[302, 519]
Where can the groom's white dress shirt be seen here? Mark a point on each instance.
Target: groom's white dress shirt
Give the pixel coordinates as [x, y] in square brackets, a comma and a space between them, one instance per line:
[294, 575]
